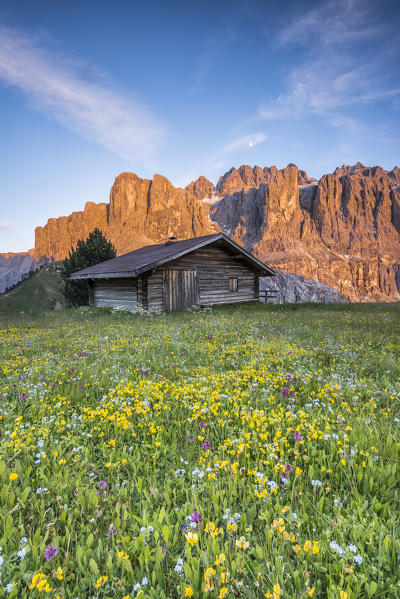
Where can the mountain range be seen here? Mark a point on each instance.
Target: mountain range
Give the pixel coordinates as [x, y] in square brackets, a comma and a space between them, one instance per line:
[343, 230]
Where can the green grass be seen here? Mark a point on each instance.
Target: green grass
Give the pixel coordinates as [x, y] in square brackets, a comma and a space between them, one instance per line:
[41, 292]
[271, 433]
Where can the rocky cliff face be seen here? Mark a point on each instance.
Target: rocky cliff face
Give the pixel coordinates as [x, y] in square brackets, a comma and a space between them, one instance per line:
[140, 212]
[293, 289]
[14, 267]
[343, 231]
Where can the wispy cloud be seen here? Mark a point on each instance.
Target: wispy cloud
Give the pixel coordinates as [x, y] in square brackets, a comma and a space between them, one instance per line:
[332, 23]
[345, 47]
[6, 226]
[242, 143]
[61, 90]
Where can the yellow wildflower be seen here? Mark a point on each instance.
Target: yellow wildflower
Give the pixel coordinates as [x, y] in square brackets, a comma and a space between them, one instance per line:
[192, 538]
[35, 580]
[209, 527]
[188, 592]
[43, 585]
[60, 574]
[277, 591]
[242, 543]
[307, 546]
[13, 476]
[100, 581]
[209, 573]
[223, 593]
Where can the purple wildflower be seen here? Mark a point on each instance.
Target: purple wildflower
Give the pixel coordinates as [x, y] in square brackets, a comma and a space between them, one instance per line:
[50, 552]
[202, 425]
[206, 445]
[297, 436]
[196, 517]
[284, 391]
[112, 531]
[286, 472]
[103, 485]
[191, 438]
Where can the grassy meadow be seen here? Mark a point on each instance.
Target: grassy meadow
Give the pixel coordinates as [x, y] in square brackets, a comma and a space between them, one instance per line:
[244, 452]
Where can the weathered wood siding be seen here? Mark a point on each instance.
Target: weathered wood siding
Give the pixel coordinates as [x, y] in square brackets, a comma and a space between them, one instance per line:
[181, 289]
[142, 291]
[155, 301]
[115, 293]
[212, 266]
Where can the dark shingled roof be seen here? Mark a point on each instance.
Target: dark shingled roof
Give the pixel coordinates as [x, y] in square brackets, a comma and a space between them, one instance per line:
[151, 256]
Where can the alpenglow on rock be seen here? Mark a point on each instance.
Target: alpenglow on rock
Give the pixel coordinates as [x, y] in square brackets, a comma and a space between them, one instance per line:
[342, 231]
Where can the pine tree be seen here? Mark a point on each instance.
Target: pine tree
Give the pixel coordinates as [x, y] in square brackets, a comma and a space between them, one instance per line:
[96, 248]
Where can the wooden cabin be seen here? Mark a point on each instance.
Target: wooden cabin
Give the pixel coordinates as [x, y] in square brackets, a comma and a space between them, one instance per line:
[202, 271]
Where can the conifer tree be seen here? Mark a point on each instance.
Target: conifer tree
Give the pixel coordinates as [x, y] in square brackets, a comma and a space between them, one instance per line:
[96, 248]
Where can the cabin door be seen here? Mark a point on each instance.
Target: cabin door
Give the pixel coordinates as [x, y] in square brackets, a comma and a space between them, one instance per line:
[181, 289]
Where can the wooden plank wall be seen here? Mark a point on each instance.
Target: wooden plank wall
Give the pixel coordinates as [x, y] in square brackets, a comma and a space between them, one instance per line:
[115, 293]
[214, 266]
[142, 291]
[181, 289]
[155, 291]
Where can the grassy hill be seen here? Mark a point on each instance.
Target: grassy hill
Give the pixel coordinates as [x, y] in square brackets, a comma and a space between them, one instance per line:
[41, 292]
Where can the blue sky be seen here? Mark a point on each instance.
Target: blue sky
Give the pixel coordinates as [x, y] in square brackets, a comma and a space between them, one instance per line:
[91, 89]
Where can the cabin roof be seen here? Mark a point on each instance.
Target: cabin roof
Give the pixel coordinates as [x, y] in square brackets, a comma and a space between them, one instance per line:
[149, 257]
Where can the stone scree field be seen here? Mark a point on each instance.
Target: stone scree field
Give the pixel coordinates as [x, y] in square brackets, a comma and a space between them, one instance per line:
[238, 452]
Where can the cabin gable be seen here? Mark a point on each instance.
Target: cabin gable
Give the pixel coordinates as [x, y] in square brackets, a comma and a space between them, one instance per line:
[210, 275]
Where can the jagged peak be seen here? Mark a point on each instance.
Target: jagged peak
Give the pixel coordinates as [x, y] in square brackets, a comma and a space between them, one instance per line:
[201, 188]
